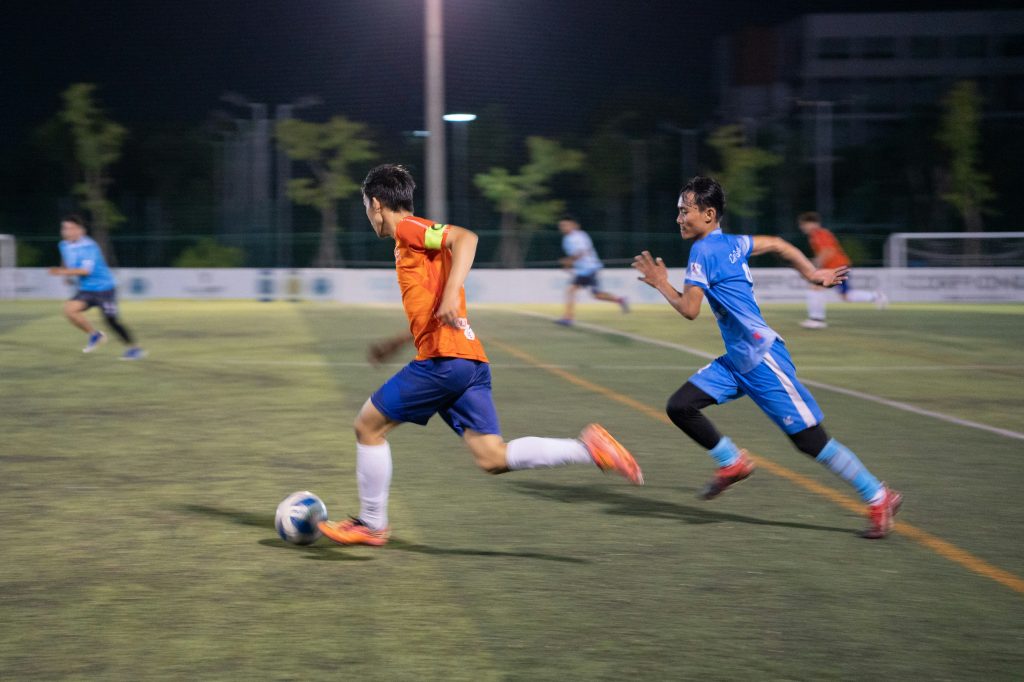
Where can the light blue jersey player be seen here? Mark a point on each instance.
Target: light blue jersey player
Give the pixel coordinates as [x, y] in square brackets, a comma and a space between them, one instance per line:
[581, 257]
[756, 362]
[82, 259]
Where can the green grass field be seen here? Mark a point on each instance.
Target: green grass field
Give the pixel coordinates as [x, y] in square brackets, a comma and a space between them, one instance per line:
[138, 498]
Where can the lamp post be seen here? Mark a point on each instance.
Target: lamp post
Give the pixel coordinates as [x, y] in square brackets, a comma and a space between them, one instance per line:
[436, 185]
[460, 175]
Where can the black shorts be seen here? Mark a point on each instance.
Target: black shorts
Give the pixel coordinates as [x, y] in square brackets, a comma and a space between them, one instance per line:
[106, 300]
[587, 281]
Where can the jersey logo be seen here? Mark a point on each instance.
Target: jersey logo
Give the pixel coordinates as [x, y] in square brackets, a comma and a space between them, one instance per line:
[463, 324]
[735, 255]
[695, 268]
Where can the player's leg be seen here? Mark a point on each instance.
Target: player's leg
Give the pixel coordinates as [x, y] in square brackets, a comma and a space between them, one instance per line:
[713, 384]
[602, 295]
[373, 478]
[411, 395]
[74, 310]
[109, 304]
[569, 314]
[473, 416]
[816, 299]
[773, 385]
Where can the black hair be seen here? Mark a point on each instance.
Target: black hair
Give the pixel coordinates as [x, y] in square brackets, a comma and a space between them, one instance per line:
[568, 216]
[707, 193]
[74, 218]
[392, 185]
[809, 217]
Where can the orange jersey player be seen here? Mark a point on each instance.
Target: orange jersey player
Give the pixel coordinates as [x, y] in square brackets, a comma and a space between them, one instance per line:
[450, 375]
[828, 253]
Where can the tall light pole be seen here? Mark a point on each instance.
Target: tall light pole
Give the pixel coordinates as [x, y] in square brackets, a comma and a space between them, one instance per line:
[823, 158]
[460, 176]
[436, 176]
[687, 149]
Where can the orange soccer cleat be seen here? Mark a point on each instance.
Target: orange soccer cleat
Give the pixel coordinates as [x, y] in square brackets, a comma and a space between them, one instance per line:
[353, 531]
[609, 455]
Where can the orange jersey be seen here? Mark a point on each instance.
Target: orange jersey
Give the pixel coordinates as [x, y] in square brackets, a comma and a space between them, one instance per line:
[423, 265]
[827, 248]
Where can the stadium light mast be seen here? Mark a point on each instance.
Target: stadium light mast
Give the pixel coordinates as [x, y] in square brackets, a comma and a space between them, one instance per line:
[437, 166]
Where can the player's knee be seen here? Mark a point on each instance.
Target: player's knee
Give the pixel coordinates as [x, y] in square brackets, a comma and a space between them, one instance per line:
[366, 433]
[681, 405]
[71, 308]
[810, 441]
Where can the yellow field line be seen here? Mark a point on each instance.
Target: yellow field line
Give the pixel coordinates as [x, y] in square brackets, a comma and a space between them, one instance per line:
[936, 544]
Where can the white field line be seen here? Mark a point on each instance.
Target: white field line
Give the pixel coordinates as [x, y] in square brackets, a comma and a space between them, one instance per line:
[899, 405]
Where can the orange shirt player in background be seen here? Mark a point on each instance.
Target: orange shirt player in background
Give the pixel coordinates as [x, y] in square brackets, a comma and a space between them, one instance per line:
[828, 253]
[450, 375]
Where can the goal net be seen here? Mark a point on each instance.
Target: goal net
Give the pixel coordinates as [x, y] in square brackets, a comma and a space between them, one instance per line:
[955, 249]
[8, 261]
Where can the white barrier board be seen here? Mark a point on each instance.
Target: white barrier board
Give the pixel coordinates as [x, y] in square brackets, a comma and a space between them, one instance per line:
[775, 285]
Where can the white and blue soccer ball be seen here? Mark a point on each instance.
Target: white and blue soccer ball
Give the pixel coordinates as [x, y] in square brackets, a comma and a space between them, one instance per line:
[297, 518]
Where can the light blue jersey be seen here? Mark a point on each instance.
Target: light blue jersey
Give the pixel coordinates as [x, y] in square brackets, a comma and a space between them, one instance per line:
[718, 265]
[86, 254]
[578, 243]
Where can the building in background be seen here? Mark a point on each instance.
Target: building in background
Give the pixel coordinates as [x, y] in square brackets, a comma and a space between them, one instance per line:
[837, 81]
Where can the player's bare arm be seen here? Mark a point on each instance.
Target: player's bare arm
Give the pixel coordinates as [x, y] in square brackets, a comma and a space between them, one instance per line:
[462, 243]
[383, 350]
[70, 272]
[826, 277]
[654, 273]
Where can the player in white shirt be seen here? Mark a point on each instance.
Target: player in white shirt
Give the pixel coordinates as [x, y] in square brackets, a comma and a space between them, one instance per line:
[582, 258]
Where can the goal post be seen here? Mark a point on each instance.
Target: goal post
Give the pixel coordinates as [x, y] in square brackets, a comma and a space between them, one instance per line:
[954, 249]
[8, 261]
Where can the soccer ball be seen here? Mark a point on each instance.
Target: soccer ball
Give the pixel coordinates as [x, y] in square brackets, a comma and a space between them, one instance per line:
[297, 517]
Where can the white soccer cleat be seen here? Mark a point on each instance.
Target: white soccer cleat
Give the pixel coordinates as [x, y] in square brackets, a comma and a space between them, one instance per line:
[811, 323]
[881, 300]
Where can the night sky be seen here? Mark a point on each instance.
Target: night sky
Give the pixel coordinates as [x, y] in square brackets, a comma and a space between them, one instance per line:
[552, 64]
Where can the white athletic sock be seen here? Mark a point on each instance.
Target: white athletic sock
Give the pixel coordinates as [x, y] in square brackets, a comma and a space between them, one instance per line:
[535, 453]
[816, 304]
[373, 474]
[860, 296]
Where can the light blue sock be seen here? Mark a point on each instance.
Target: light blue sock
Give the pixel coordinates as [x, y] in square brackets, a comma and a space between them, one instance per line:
[841, 461]
[725, 453]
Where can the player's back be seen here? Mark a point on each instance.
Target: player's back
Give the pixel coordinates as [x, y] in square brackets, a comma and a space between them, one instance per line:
[423, 264]
[824, 242]
[578, 244]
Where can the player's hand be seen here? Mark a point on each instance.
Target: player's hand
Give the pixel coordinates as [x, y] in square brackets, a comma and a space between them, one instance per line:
[448, 310]
[652, 270]
[380, 351]
[830, 277]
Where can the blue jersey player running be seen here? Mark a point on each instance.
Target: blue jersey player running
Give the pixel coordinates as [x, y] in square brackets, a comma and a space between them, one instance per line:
[82, 258]
[756, 361]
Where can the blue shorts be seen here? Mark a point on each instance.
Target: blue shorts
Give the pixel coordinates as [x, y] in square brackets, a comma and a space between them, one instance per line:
[106, 299]
[457, 389]
[772, 385]
[844, 287]
[588, 281]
